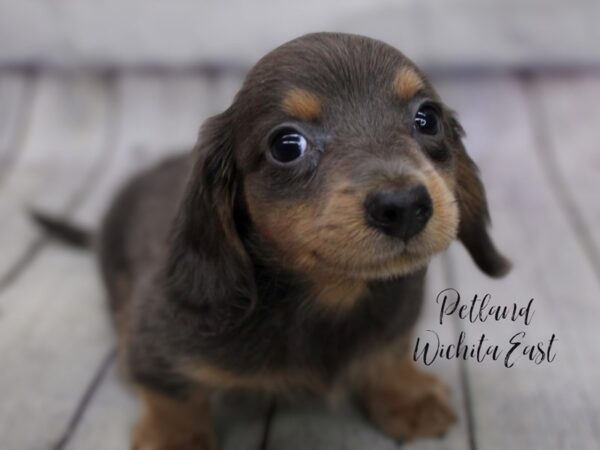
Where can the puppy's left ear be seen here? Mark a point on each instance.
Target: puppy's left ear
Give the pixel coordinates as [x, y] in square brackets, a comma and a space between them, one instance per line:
[474, 213]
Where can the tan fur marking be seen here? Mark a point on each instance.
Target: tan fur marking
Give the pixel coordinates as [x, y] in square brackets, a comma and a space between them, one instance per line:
[337, 294]
[407, 83]
[328, 237]
[174, 425]
[402, 400]
[469, 191]
[443, 225]
[275, 382]
[302, 105]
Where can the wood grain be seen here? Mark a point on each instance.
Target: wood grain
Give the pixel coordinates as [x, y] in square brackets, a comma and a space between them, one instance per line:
[456, 34]
[60, 157]
[16, 93]
[548, 406]
[51, 334]
[567, 110]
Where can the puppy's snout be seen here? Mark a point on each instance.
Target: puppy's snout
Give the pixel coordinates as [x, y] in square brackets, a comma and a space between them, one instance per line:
[402, 213]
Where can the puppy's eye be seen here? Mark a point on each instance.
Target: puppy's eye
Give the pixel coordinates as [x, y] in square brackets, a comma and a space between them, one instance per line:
[426, 120]
[288, 145]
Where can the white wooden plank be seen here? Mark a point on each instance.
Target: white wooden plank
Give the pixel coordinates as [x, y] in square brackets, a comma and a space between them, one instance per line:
[548, 406]
[224, 88]
[310, 425]
[570, 111]
[158, 116]
[53, 329]
[108, 421]
[60, 154]
[130, 32]
[15, 98]
[49, 339]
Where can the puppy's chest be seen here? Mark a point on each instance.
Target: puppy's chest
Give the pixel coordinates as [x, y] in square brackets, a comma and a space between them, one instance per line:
[286, 334]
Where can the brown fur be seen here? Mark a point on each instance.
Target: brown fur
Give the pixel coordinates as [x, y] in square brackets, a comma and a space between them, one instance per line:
[302, 105]
[228, 270]
[271, 382]
[173, 425]
[475, 216]
[401, 399]
[407, 83]
[308, 242]
[337, 293]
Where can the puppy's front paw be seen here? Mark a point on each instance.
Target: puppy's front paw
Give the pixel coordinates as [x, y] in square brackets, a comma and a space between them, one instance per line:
[419, 407]
[145, 439]
[172, 424]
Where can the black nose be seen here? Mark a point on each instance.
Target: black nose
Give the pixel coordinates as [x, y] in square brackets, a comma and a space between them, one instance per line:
[401, 214]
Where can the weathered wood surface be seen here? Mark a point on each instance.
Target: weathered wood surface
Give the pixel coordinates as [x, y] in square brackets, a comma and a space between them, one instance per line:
[443, 33]
[55, 163]
[15, 97]
[547, 406]
[568, 110]
[72, 141]
[49, 341]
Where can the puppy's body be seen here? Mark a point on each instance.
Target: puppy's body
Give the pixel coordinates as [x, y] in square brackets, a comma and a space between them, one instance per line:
[134, 237]
[282, 335]
[288, 252]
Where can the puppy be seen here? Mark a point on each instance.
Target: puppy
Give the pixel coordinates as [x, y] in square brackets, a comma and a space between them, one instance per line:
[288, 251]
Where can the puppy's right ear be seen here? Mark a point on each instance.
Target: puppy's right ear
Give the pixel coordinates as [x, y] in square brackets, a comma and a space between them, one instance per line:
[474, 213]
[208, 266]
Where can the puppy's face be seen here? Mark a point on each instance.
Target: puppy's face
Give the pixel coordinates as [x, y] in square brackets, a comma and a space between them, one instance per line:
[345, 160]
[348, 157]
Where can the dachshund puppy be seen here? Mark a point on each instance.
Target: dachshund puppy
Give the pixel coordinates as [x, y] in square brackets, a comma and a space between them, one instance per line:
[288, 251]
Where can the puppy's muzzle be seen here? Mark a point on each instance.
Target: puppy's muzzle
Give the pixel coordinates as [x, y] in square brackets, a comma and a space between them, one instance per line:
[399, 213]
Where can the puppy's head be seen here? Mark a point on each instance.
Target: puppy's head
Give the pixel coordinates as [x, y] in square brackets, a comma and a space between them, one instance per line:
[345, 161]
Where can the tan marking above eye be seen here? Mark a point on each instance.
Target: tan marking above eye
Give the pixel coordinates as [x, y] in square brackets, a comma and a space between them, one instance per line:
[302, 104]
[407, 83]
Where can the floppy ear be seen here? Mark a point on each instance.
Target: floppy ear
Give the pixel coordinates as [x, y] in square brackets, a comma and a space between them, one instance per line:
[474, 214]
[208, 267]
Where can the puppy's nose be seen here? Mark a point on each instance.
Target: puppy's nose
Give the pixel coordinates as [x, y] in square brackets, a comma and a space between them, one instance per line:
[402, 214]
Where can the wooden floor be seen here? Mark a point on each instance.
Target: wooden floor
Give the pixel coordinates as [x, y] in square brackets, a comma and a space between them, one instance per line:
[67, 142]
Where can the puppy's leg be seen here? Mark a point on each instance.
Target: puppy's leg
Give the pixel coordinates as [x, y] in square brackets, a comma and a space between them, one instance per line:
[403, 401]
[172, 424]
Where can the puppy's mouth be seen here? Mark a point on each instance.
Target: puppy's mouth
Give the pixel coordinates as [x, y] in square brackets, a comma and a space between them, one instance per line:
[402, 259]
